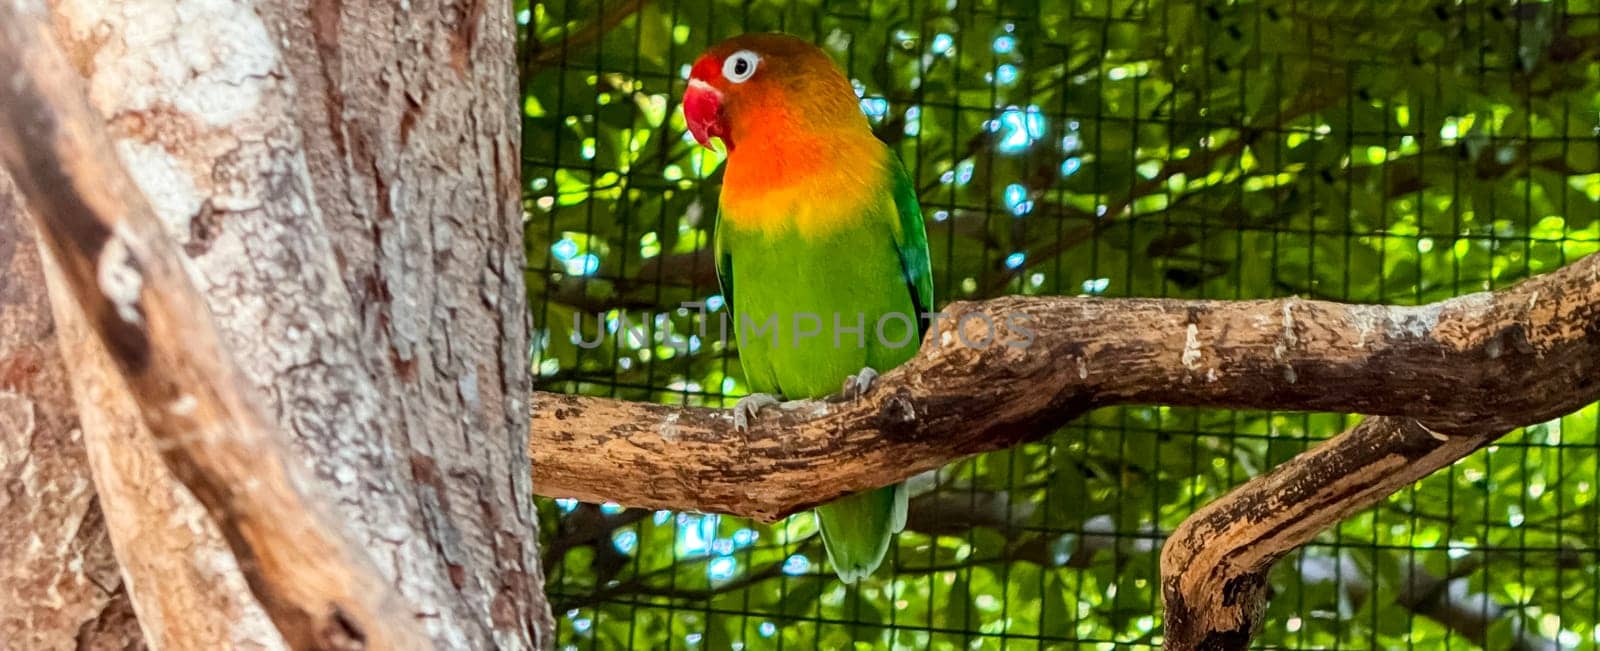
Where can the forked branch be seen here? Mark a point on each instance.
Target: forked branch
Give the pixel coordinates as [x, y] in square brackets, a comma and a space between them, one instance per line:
[1467, 368]
[1442, 381]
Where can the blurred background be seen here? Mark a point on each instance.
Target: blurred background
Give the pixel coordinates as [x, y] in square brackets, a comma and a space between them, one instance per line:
[1370, 151]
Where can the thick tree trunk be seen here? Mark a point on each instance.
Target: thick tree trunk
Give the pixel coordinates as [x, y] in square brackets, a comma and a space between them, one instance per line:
[59, 585]
[411, 118]
[343, 180]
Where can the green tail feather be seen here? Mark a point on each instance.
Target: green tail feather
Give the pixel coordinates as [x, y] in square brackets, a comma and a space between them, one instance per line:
[856, 530]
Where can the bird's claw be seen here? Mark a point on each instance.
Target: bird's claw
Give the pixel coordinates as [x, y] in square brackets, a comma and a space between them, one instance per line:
[746, 408]
[857, 385]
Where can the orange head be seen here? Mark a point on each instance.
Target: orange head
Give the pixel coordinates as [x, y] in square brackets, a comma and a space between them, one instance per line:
[767, 86]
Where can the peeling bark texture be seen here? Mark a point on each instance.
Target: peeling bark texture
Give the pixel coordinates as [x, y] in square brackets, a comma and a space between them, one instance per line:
[342, 177]
[59, 586]
[1466, 368]
[130, 287]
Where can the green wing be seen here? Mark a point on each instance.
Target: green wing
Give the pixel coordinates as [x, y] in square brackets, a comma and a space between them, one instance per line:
[911, 241]
[724, 264]
[858, 529]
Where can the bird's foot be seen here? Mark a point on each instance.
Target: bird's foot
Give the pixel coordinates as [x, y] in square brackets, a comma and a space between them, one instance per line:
[857, 385]
[745, 409]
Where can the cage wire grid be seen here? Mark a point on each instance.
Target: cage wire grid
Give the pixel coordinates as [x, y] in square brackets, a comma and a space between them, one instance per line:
[1357, 151]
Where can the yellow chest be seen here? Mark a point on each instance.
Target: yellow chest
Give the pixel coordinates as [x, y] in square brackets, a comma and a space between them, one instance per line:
[814, 188]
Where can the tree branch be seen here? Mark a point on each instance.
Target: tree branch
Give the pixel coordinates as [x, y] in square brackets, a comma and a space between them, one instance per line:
[320, 590]
[1214, 567]
[56, 526]
[1471, 368]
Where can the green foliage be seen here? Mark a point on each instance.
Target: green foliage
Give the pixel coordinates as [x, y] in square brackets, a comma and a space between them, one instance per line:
[1367, 151]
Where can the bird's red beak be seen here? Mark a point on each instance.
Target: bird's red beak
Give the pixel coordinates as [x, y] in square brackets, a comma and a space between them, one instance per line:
[702, 110]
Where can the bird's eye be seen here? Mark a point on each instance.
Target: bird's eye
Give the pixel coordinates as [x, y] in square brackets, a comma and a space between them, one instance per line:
[740, 65]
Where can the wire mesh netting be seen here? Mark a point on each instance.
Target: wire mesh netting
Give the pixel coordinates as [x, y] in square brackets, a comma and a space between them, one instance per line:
[1397, 152]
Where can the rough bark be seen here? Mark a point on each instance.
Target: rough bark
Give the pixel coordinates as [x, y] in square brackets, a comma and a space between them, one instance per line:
[190, 593]
[1470, 367]
[410, 114]
[1214, 567]
[59, 585]
[107, 247]
[342, 178]
[214, 144]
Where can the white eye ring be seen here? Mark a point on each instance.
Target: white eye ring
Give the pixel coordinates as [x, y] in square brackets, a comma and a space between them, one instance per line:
[740, 65]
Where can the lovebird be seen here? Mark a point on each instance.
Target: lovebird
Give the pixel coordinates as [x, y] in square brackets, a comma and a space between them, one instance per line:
[820, 249]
